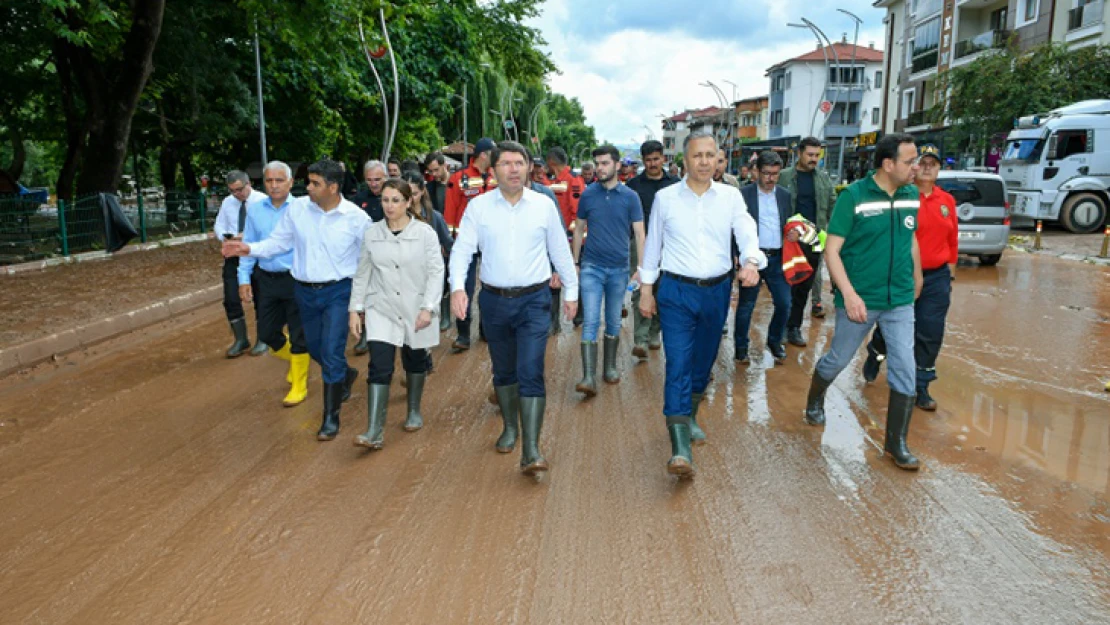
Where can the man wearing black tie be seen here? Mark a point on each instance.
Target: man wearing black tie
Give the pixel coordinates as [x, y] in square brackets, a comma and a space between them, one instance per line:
[230, 222]
[769, 206]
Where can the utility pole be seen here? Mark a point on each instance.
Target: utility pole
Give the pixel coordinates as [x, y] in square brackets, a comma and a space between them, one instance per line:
[261, 112]
[859, 107]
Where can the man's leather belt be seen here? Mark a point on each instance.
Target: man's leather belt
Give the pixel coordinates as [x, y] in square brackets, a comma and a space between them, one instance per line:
[698, 281]
[318, 285]
[771, 252]
[515, 291]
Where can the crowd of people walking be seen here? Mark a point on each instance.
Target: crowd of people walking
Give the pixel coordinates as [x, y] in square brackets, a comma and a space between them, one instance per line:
[539, 245]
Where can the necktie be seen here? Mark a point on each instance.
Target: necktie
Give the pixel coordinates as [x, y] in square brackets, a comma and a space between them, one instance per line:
[242, 217]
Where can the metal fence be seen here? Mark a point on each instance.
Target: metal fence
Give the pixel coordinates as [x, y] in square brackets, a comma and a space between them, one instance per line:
[31, 230]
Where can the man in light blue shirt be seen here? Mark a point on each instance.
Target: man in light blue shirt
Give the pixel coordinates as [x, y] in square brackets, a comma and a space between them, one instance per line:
[276, 303]
[769, 205]
[325, 234]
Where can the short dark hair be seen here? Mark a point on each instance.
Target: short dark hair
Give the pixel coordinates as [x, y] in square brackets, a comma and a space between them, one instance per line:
[434, 157]
[510, 146]
[587, 165]
[557, 154]
[612, 151]
[887, 147]
[809, 142]
[768, 158]
[237, 175]
[329, 170]
[650, 147]
[393, 161]
[410, 164]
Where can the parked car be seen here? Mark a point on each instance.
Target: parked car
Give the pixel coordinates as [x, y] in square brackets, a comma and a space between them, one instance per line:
[983, 211]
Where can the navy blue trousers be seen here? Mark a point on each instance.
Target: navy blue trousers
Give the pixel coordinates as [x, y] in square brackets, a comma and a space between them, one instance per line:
[691, 317]
[516, 329]
[780, 296]
[324, 319]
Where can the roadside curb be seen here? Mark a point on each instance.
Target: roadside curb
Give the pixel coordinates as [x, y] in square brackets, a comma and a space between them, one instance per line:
[41, 349]
[1094, 260]
[85, 257]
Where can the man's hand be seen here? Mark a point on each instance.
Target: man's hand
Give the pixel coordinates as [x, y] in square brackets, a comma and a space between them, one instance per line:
[749, 276]
[246, 293]
[635, 278]
[556, 282]
[459, 304]
[235, 248]
[918, 284]
[354, 323]
[570, 309]
[423, 320]
[647, 301]
[793, 235]
[856, 309]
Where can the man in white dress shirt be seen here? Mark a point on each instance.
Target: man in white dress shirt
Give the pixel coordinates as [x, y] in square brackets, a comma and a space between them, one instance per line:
[520, 235]
[325, 233]
[230, 222]
[689, 237]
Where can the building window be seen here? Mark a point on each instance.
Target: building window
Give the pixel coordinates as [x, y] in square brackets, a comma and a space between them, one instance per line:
[787, 85]
[1028, 12]
[879, 79]
[907, 103]
[926, 8]
[845, 75]
[786, 116]
[926, 45]
[909, 53]
[875, 116]
[998, 19]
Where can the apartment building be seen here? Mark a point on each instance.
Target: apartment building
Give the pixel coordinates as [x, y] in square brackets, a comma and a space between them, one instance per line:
[678, 126]
[927, 37]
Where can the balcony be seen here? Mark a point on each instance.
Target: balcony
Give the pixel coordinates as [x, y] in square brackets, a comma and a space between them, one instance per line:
[845, 93]
[1084, 16]
[983, 41]
[919, 118]
[925, 61]
[841, 129]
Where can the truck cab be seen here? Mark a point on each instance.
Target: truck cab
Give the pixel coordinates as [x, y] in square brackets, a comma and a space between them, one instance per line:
[1057, 167]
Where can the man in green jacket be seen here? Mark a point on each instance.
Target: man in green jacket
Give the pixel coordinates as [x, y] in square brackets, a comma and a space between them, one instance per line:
[812, 194]
[875, 266]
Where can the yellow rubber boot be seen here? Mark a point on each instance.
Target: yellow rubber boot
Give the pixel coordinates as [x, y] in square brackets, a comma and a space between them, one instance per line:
[285, 355]
[298, 374]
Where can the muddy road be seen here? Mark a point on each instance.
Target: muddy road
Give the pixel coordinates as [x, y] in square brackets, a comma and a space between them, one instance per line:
[153, 481]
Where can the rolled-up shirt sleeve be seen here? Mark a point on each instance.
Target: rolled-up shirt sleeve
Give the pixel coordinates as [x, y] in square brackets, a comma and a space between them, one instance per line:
[280, 240]
[559, 251]
[746, 232]
[653, 244]
[462, 252]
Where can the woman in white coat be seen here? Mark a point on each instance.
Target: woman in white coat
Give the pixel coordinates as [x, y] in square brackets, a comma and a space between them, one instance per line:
[398, 285]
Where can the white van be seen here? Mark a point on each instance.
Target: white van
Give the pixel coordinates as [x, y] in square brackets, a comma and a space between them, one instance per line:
[983, 213]
[1057, 166]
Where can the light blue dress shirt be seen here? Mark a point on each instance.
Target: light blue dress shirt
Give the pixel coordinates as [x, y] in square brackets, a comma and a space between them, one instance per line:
[770, 224]
[262, 218]
[325, 244]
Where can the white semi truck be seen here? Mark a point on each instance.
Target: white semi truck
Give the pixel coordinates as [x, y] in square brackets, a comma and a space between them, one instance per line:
[1057, 166]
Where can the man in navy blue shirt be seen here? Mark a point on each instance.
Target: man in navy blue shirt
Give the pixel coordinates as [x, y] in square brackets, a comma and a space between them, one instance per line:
[609, 210]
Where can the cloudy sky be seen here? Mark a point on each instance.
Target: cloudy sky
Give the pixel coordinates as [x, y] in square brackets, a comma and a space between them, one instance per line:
[628, 61]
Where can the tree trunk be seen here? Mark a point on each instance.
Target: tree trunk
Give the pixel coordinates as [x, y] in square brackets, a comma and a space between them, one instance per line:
[19, 154]
[76, 127]
[188, 172]
[167, 166]
[112, 102]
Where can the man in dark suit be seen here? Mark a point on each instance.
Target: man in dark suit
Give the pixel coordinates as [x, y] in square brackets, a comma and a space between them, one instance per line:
[769, 206]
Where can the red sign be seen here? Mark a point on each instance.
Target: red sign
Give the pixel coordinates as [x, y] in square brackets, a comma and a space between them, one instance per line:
[826, 107]
[378, 53]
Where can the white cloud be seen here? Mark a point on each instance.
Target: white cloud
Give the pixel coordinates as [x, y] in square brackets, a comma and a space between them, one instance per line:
[628, 76]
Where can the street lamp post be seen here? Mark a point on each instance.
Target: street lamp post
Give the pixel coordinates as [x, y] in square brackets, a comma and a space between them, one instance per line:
[859, 107]
[836, 94]
[261, 112]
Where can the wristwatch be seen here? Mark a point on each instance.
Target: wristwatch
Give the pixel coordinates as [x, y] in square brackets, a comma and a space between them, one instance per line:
[431, 310]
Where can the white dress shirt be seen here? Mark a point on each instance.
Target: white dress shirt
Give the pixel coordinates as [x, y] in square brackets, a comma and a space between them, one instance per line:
[325, 244]
[227, 220]
[770, 228]
[688, 234]
[516, 243]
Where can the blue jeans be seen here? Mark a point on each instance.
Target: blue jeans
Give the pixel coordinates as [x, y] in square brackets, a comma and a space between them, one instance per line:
[516, 329]
[929, 312]
[597, 282]
[324, 318]
[691, 317]
[897, 327]
[780, 295]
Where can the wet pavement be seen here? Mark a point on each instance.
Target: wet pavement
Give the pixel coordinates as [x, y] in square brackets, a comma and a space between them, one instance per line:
[149, 480]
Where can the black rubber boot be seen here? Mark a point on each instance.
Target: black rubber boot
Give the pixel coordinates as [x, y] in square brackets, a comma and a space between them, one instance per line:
[611, 374]
[259, 348]
[795, 337]
[815, 403]
[445, 314]
[352, 375]
[682, 457]
[242, 343]
[697, 435]
[361, 347]
[588, 385]
[377, 399]
[897, 427]
[415, 420]
[925, 401]
[531, 422]
[871, 365]
[333, 403]
[508, 399]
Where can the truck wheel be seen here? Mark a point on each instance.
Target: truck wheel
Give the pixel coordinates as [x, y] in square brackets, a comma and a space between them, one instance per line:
[1083, 213]
[989, 260]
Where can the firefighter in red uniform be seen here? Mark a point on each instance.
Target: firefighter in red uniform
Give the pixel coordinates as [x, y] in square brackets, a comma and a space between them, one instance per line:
[465, 185]
[567, 188]
[937, 234]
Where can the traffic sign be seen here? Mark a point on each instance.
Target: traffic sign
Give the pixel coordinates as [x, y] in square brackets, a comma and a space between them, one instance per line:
[826, 107]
